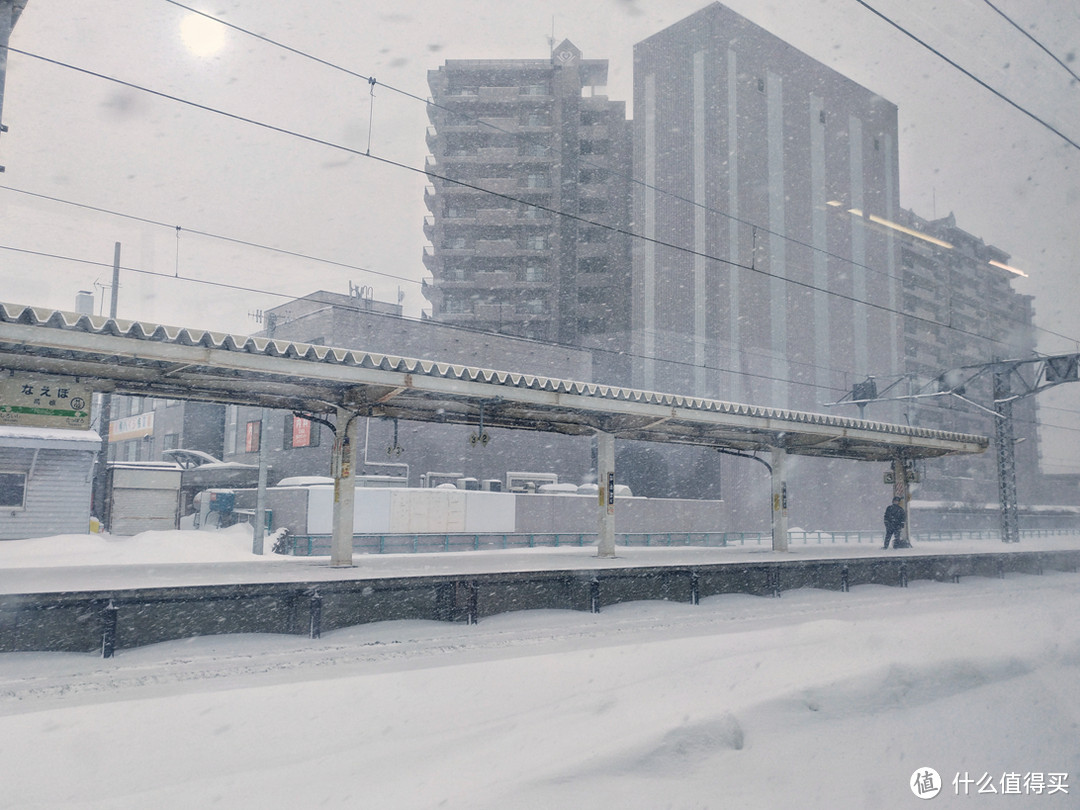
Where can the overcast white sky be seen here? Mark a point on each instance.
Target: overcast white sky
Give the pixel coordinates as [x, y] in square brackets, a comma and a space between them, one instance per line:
[87, 140]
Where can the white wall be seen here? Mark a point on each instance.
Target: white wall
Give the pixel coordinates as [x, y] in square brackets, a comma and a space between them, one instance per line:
[421, 511]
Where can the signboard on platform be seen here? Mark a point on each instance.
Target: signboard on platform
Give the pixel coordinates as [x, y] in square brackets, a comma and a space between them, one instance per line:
[45, 401]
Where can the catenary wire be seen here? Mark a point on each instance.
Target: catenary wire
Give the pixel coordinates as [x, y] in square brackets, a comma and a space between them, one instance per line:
[1031, 37]
[457, 327]
[145, 220]
[944, 405]
[629, 178]
[970, 75]
[554, 151]
[480, 122]
[387, 161]
[209, 235]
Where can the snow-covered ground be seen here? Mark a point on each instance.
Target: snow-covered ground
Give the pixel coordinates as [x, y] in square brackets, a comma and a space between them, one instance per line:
[814, 700]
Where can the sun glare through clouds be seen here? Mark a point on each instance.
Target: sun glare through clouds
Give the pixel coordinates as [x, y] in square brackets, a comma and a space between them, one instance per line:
[202, 36]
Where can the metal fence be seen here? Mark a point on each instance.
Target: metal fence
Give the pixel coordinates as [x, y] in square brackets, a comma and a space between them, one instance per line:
[319, 545]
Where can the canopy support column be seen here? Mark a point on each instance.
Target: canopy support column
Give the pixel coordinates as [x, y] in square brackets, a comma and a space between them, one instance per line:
[902, 490]
[779, 499]
[605, 479]
[342, 463]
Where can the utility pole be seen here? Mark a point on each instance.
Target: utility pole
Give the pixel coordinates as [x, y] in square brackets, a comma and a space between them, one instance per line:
[1012, 380]
[99, 494]
[259, 529]
[9, 15]
[1004, 446]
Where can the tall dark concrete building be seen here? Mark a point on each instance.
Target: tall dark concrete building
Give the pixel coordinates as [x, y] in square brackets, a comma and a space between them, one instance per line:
[765, 275]
[513, 141]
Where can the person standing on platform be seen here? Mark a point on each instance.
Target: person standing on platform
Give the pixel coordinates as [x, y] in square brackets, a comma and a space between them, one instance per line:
[895, 516]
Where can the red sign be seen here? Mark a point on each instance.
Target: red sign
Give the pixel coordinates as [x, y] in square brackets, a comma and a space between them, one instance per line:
[251, 444]
[301, 432]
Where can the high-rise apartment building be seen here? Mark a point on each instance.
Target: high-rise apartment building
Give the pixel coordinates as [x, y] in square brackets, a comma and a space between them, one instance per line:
[772, 262]
[764, 275]
[528, 173]
[960, 313]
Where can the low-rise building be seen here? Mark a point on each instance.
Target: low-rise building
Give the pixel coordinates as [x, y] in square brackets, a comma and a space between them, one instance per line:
[46, 479]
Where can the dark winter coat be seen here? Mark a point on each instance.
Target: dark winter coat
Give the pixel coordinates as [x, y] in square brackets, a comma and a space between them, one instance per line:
[894, 516]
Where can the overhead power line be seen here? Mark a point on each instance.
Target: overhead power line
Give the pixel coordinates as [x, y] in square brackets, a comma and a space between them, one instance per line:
[752, 268]
[95, 263]
[232, 239]
[970, 75]
[1028, 34]
[764, 229]
[263, 291]
[456, 327]
[612, 172]
[458, 114]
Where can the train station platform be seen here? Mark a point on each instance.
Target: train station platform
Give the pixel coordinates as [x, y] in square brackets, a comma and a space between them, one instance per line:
[162, 570]
[107, 607]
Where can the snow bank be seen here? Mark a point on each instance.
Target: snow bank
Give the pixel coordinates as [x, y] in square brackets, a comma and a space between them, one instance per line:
[163, 547]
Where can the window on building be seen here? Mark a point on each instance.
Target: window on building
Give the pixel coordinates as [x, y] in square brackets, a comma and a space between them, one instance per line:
[170, 441]
[230, 428]
[592, 206]
[590, 326]
[537, 119]
[536, 242]
[535, 272]
[593, 264]
[537, 181]
[12, 490]
[456, 305]
[457, 243]
[253, 436]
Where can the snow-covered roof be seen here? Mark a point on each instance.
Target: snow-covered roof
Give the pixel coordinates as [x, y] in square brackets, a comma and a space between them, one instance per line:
[153, 359]
[48, 438]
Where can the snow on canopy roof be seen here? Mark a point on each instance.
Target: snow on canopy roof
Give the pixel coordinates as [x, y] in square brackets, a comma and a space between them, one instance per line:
[17, 435]
[916, 439]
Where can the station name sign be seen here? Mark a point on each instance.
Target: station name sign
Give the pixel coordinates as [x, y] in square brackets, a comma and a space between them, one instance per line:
[43, 400]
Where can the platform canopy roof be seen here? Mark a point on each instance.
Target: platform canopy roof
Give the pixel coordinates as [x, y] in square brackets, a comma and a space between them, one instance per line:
[165, 361]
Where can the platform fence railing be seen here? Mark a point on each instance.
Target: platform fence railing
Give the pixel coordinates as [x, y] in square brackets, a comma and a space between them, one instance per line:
[419, 543]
